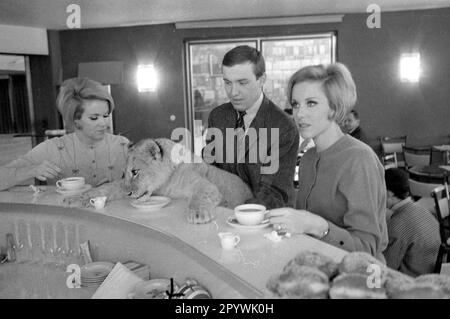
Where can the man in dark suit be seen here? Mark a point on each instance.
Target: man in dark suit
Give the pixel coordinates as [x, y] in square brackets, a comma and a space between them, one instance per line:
[259, 141]
[351, 126]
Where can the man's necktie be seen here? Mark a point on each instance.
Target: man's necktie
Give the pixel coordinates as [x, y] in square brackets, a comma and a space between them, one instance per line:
[240, 134]
[240, 120]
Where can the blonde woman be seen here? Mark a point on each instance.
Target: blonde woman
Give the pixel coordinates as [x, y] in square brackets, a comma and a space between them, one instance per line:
[87, 150]
[342, 195]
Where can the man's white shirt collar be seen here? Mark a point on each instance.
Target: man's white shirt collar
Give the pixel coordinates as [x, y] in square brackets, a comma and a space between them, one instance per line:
[251, 112]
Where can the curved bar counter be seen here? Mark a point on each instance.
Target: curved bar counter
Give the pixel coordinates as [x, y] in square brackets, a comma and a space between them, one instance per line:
[165, 241]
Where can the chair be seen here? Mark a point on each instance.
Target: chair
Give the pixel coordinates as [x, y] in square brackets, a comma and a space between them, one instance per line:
[390, 145]
[441, 204]
[416, 156]
[389, 161]
[439, 157]
[421, 186]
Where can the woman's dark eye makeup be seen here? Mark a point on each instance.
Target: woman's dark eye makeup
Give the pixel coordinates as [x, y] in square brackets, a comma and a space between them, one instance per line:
[95, 117]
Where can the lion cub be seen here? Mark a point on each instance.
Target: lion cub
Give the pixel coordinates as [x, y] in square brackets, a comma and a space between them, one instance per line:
[163, 167]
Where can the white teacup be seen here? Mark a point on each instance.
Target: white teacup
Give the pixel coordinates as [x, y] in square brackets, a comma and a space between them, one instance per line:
[98, 202]
[229, 240]
[71, 183]
[250, 214]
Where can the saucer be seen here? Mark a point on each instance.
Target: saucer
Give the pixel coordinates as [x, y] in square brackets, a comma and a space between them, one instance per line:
[232, 221]
[71, 192]
[96, 270]
[154, 203]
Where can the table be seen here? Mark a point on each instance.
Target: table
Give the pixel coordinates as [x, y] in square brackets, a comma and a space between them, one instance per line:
[444, 157]
[444, 147]
[429, 174]
[255, 260]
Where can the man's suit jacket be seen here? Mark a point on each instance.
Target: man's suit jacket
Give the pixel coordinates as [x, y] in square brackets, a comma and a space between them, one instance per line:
[271, 190]
[359, 134]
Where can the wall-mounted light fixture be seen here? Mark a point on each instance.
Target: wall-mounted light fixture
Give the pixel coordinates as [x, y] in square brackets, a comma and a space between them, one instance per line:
[410, 67]
[147, 78]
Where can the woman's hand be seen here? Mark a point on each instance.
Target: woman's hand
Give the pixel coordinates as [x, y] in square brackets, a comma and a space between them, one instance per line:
[45, 170]
[298, 221]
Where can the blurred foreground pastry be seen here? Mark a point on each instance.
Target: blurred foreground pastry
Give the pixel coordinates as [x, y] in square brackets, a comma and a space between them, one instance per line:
[396, 282]
[299, 282]
[315, 260]
[358, 276]
[402, 286]
[420, 291]
[361, 263]
[355, 286]
[442, 281]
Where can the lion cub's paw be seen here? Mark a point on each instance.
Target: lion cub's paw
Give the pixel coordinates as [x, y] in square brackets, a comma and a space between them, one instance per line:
[144, 198]
[199, 216]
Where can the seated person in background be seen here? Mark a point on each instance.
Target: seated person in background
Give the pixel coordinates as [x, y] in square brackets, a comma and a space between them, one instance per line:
[413, 231]
[342, 195]
[87, 151]
[250, 110]
[351, 126]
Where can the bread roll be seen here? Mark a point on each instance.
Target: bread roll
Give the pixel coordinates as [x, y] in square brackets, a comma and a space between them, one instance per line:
[315, 260]
[442, 281]
[355, 286]
[420, 291]
[360, 262]
[396, 282]
[299, 282]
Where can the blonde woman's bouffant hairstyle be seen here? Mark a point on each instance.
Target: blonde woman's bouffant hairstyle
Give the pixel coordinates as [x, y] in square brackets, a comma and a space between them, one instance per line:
[337, 84]
[71, 95]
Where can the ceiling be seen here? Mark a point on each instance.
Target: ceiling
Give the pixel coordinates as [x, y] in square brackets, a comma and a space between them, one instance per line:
[51, 14]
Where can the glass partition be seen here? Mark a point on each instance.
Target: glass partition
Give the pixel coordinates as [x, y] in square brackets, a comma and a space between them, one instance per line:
[283, 56]
[206, 89]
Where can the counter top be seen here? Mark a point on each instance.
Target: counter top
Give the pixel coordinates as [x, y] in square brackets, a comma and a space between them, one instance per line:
[254, 259]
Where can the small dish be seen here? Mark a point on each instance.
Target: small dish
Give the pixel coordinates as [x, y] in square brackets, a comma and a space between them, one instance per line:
[232, 221]
[152, 289]
[72, 192]
[96, 270]
[154, 203]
